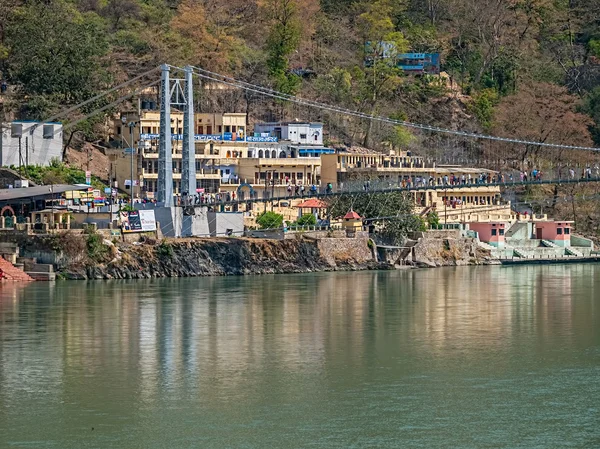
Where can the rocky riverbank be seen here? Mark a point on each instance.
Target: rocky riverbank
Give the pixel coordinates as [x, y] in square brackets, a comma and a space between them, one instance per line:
[222, 257]
[77, 256]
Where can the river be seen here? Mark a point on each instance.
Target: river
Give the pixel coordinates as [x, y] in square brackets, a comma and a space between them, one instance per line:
[478, 357]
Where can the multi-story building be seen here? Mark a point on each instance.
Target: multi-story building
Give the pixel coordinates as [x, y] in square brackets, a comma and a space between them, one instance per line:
[270, 177]
[298, 133]
[450, 198]
[220, 141]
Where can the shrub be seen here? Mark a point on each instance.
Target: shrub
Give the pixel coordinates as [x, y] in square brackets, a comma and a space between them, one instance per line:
[96, 249]
[269, 220]
[306, 220]
[165, 250]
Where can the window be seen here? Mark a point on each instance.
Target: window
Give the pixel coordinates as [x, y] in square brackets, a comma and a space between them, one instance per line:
[567, 231]
[559, 231]
[119, 130]
[303, 136]
[494, 232]
[227, 171]
[501, 231]
[227, 128]
[48, 132]
[220, 129]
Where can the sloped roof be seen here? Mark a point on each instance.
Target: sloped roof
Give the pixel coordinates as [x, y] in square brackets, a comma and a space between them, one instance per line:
[312, 203]
[352, 216]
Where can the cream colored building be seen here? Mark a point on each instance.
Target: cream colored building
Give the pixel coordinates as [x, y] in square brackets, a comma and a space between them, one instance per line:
[450, 198]
[219, 141]
[270, 177]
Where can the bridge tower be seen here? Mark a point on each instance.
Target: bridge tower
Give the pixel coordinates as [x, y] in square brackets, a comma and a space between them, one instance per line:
[165, 155]
[188, 169]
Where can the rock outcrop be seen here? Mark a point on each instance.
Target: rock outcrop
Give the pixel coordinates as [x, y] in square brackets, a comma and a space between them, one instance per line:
[220, 257]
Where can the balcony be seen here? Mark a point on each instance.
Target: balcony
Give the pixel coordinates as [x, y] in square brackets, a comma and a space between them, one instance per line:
[200, 174]
[288, 162]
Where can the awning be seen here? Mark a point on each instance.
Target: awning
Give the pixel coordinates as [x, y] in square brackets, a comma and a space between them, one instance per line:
[7, 195]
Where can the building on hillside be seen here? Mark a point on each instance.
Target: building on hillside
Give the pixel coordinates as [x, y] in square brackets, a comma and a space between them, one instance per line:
[411, 63]
[268, 177]
[30, 143]
[298, 133]
[450, 199]
[220, 141]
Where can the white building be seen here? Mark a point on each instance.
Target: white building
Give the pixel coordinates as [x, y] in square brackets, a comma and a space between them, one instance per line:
[299, 133]
[30, 143]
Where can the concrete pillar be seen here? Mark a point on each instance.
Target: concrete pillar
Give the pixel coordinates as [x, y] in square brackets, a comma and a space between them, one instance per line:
[165, 155]
[188, 173]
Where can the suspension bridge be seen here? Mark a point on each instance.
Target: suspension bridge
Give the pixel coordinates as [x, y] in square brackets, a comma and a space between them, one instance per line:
[178, 91]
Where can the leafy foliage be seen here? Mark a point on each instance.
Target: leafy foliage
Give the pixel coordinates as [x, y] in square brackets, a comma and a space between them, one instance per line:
[56, 51]
[95, 247]
[269, 220]
[306, 220]
[393, 213]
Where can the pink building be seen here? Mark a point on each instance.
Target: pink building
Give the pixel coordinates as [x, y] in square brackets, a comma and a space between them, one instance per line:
[490, 233]
[558, 232]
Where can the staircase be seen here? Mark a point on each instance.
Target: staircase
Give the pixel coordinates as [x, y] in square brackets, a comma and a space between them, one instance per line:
[549, 244]
[520, 253]
[515, 228]
[12, 273]
[572, 252]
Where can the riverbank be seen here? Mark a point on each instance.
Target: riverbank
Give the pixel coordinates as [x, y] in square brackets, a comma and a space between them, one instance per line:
[94, 256]
[225, 257]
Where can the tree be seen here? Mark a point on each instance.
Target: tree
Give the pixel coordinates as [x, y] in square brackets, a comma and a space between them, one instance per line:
[383, 44]
[269, 220]
[393, 213]
[284, 37]
[306, 220]
[544, 113]
[56, 51]
[592, 108]
[208, 36]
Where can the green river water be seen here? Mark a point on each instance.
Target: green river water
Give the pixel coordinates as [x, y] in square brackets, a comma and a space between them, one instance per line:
[490, 357]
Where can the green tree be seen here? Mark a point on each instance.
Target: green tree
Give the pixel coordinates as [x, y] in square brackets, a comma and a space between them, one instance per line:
[383, 44]
[283, 40]
[592, 108]
[56, 51]
[269, 220]
[306, 220]
[393, 213]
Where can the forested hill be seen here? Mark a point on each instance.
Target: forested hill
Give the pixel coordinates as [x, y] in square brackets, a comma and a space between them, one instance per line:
[538, 60]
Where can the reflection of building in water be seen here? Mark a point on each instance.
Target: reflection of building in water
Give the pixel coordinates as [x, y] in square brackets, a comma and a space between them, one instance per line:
[224, 340]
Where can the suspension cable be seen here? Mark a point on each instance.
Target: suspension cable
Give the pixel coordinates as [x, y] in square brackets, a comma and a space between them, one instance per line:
[216, 77]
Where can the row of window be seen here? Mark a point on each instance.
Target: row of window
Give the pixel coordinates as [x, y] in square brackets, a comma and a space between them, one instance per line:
[150, 166]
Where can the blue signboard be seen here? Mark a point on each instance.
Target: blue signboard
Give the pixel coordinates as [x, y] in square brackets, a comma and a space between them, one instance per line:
[261, 139]
[216, 137]
[197, 137]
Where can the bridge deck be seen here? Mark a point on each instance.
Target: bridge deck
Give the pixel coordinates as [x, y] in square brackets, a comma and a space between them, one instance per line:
[443, 187]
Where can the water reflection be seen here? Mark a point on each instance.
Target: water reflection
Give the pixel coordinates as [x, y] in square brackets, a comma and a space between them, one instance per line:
[118, 353]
